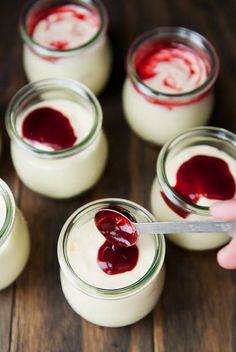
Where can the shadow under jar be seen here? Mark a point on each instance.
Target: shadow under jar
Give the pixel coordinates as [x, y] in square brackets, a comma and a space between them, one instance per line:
[66, 39]
[194, 170]
[169, 86]
[14, 238]
[58, 147]
[108, 285]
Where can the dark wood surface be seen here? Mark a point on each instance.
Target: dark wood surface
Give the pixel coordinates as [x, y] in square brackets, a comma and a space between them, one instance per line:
[197, 310]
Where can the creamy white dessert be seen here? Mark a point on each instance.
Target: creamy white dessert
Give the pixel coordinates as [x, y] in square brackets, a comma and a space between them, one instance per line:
[67, 41]
[109, 299]
[157, 123]
[58, 148]
[14, 239]
[214, 180]
[169, 84]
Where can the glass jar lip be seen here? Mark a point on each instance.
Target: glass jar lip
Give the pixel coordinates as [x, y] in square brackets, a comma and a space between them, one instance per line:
[50, 52]
[182, 33]
[97, 291]
[63, 84]
[214, 132]
[10, 211]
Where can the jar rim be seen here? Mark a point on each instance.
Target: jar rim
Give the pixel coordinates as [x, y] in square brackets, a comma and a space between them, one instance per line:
[10, 211]
[49, 85]
[182, 34]
[94, 291]
[55, 53]
[214, 132]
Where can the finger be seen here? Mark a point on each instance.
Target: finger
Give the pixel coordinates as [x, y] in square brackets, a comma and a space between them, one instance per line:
[224, 209]
[226, 257]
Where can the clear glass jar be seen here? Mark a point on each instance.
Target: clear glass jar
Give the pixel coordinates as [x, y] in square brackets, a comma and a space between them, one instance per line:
[154, 115]
[109, 300]
[167, 203]
[57, 173]
[14, 238]
[79, 63]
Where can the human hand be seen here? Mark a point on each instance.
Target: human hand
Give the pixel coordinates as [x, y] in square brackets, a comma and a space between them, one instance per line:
[226, 210]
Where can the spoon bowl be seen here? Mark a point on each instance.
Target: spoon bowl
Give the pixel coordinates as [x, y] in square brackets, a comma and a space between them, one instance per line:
[116, 227]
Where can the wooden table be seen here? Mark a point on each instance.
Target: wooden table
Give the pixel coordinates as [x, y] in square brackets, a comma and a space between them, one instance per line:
[197, 310]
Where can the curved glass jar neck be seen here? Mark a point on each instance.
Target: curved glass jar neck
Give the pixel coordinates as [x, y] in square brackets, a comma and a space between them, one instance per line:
[83, 215]
[218, 138]
[169, 35]
[33, 9]
[7, 197]
[46, 90]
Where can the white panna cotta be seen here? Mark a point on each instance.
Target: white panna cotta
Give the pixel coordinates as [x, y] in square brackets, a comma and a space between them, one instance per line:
[189, 180]
[109, 285]
[66, 41]
[14, 238]
[58, 148]
[171, 72]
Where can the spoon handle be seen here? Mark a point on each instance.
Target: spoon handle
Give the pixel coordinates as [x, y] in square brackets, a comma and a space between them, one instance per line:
[187, 226]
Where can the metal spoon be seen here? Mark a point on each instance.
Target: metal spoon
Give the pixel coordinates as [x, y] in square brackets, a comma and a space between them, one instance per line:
[121, 231]
[209, 226]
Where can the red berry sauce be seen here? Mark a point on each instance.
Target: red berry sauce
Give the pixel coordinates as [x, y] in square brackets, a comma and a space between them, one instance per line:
[203, 176]
[50, 127]
[146, 64]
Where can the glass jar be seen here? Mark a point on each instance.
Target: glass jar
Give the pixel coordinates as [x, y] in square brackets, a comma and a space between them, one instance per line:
[167, 200]
[109, 300]
[156, 115]
[89, 63]
[58, 173]
[14, 238]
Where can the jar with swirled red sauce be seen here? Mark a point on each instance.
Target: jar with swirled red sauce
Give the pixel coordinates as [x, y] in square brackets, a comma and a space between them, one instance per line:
[66, 40]
[171, 73]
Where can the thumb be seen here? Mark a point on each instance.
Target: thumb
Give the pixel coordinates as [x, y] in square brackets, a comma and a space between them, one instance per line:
[224, 209]
[226, 257]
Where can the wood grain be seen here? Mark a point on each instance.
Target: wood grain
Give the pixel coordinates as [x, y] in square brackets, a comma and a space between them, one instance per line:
[197, 311]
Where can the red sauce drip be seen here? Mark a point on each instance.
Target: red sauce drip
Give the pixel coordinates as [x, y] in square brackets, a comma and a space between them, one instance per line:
[59, 45]
[181, 212]
[50, 127]
[203, 176]
[145, 61]
[116, 260]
